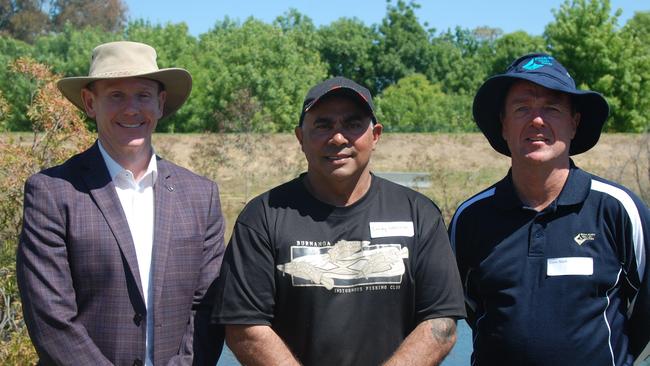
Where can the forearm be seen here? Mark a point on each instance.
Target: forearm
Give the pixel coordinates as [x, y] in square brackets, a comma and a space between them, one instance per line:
[258, 345]
[428, 344]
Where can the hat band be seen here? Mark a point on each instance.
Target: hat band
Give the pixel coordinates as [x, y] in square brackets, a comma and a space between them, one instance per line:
[121, 73]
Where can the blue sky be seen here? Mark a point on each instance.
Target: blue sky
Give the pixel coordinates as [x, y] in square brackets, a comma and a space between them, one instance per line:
[509, 15]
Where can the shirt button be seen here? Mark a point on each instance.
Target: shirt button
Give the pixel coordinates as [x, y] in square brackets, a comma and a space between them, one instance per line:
[137, 362]
[137, 319]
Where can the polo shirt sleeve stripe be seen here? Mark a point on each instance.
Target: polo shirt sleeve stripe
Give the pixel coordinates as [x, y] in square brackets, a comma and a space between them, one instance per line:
[461, 208]
[635, 220]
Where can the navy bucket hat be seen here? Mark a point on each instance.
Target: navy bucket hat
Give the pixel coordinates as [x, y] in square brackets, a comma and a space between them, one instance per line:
[339, 85]
[546, 71]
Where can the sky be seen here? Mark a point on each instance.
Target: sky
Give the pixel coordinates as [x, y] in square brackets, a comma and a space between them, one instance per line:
[509, 15]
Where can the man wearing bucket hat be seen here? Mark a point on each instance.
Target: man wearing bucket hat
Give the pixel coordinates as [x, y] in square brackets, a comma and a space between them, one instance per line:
[339, 266]
[553, 259]
[119, 246]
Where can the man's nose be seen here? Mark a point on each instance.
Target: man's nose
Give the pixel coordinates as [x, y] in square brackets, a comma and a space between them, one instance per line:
[131, 105]
[538, 121]
[338, 138]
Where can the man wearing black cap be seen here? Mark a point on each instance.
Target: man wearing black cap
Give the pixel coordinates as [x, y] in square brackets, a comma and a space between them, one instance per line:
[338, 266]
[553, 259]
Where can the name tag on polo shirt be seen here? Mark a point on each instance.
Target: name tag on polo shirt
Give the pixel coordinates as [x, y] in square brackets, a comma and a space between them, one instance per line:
[391, 228]
[570, 266]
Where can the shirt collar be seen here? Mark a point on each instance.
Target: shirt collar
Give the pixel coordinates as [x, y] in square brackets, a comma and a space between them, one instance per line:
[114, 168]
[574, 192]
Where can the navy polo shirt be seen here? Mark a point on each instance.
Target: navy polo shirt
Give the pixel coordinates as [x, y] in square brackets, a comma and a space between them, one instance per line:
[564, 286]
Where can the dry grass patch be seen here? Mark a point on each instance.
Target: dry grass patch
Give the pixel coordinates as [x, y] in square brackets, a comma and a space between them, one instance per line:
[460, 165]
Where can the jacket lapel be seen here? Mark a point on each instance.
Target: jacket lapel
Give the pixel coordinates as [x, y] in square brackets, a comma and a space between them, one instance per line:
[164, 196]
[101, 187]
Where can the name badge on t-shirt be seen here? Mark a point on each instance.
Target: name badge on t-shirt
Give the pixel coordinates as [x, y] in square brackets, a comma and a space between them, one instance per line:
[391, 228]
[570, 266]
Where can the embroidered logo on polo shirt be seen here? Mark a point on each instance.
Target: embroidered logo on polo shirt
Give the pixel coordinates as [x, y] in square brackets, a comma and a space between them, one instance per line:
[583, 237]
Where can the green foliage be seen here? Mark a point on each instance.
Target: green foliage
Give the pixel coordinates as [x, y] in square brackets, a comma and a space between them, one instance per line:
[68, 52]
[15, 88]
[346, 46]
[261, 59]
[587, 40]
[414, 104]
[457, 69]
[252, 76]
[402, 46]
[512, 46]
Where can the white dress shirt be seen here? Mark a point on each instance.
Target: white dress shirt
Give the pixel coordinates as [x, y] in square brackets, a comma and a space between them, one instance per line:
[137, 199]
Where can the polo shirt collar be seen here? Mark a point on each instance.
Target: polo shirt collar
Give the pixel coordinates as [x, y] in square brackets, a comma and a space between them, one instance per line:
[574, 192]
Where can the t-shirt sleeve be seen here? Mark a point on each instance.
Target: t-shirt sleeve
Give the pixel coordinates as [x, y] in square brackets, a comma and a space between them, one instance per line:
[438, 287]
[246, 286]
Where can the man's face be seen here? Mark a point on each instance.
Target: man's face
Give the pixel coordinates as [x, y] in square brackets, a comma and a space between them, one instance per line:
[126, 111]
[337, 137]
[538, 123]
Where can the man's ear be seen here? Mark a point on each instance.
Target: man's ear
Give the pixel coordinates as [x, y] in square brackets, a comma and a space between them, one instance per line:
[298, 132]
[576, 122]
[377, 128]
[88, 99]
[162, 97]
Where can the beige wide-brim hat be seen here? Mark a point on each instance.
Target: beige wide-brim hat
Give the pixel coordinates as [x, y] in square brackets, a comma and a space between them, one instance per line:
[123, 59]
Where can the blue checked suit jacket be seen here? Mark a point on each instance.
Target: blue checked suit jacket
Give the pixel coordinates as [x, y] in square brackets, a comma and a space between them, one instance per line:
[78, 274]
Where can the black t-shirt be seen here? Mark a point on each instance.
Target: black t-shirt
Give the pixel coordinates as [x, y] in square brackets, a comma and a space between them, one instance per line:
[340, 285]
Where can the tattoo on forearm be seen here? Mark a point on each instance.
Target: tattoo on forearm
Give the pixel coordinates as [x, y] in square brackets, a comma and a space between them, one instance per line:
[443, 329]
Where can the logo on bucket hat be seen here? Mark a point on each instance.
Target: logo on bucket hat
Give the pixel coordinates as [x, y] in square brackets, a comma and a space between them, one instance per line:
[546, 71]
[537, 62]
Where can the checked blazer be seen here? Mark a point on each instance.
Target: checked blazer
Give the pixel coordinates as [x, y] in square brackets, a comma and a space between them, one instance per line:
[78, 274]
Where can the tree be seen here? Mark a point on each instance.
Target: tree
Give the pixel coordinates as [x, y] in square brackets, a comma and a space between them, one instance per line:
[23, 19]
[416, 105]
[108, 15]
[263, 61]
[587, 40]
[639, 26]
[402, 46]
[346, 47]
[458, 62]
[512, 46]
[16, 87]
[300, 27]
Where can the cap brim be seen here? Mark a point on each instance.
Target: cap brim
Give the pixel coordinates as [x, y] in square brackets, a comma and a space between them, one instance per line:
[488, 102]
[177, 82]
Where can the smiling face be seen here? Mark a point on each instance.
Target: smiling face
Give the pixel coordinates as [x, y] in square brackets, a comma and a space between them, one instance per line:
[337, 137]
[538, 124]
[126, 111]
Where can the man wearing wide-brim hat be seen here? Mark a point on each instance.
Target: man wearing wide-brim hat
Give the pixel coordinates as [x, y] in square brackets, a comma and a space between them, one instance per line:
[119, 246]
[553, 259]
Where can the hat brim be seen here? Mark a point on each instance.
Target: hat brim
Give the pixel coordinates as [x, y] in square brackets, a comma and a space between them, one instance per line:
[488, 102]
[177, 82]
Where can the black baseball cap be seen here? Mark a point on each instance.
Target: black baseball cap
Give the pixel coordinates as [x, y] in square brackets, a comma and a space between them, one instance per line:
[339, 85]
[544, 70]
